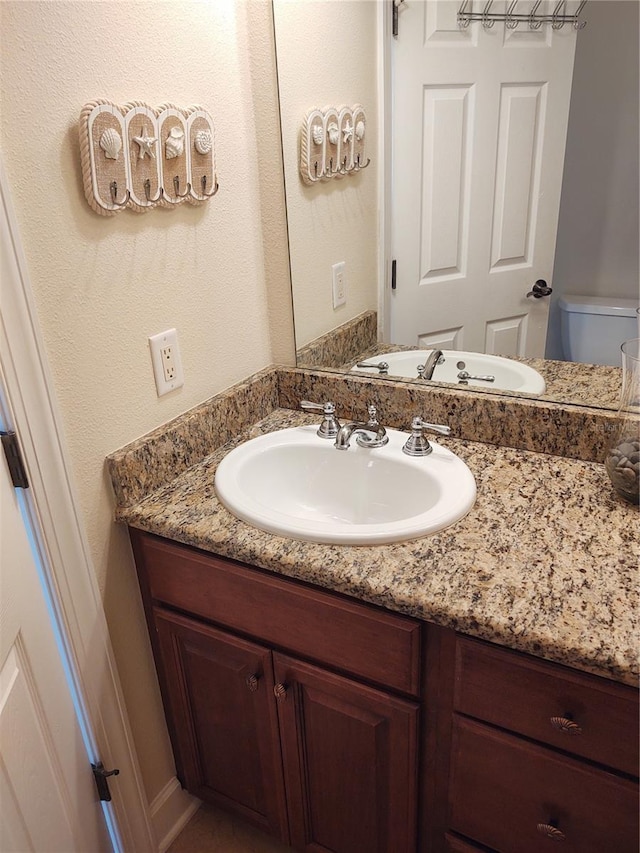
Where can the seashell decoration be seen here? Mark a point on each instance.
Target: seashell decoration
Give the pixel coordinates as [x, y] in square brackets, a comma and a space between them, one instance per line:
[111, 143]
[316, 134]
[360, 130]
[203, 141]
[333, 132]
[174, 146]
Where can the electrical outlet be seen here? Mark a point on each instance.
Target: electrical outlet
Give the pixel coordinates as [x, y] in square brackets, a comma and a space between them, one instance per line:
[338, 272]
[165, 357]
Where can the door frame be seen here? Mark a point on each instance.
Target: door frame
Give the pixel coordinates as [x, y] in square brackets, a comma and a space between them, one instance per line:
[59, 537]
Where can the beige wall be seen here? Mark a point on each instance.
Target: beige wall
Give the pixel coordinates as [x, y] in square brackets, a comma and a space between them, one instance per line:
[597, 247]
[327, 57]
[218, 273]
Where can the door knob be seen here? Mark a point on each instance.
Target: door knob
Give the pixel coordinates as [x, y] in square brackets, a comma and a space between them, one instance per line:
[540, 289]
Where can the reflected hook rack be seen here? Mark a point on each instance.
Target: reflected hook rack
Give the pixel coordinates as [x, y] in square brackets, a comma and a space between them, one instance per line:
[511, 19]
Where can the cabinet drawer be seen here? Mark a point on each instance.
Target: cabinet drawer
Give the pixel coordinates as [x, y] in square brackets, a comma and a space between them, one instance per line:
[330, 629]
[582, 714]
[512, 795]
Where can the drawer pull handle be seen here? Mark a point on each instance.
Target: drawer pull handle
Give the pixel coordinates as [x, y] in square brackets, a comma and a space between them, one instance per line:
[566, 725]
[252, 682]
[280, 691]
[551, 831]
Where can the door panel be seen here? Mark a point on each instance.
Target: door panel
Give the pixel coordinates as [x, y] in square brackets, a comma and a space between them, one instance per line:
[219, 690]
[349, 753]
[48, 798]
[479, 128]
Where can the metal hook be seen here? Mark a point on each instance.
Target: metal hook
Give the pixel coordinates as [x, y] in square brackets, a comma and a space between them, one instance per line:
[463, 19]
[557, 18]
[358, 167]
[487, 22]
[579, 25]
[215, 189]
[147, 192]
[510, 22]
[176, 187]
[534, 23]
[113, 188]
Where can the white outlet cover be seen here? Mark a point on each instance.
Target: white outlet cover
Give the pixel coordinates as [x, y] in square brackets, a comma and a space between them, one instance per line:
[156, 344]
[339, 285]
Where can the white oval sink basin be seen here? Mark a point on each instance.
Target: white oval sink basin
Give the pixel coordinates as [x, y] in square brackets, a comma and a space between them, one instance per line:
[293, 483]
[509, 375]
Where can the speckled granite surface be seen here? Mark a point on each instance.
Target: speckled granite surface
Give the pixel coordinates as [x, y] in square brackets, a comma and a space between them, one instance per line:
[341, 345]
[527, 424]
[546, 562]
[567, 382]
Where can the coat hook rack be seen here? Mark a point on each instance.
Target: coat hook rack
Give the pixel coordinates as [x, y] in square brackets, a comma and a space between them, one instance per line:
[332, 143]
[138, 157]
[512, 18]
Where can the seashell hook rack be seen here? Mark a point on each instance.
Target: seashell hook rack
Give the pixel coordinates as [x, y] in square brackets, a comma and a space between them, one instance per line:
[332, 143]
[136, 156]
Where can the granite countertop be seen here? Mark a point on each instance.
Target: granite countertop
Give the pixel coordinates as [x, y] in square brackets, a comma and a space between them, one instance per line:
[546, 562]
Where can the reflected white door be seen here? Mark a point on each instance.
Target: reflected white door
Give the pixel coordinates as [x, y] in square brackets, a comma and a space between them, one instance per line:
[479, 128]
[48, 799]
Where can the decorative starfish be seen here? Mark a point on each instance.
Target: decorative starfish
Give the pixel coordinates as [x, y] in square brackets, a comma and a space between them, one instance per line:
[145, 143]
[347, 132]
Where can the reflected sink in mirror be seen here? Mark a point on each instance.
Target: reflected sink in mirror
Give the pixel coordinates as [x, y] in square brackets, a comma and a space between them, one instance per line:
[461, 367]
[295, 484]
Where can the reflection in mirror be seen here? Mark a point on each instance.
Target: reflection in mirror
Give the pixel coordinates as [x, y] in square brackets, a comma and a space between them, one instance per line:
[492, 224]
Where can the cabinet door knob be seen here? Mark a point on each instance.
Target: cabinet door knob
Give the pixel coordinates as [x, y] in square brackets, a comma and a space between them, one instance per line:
[252, 682]
[566, 725]
[551, 831]
[280, 691]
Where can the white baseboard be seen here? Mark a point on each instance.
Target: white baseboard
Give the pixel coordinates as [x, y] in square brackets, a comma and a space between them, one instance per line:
[170, 811]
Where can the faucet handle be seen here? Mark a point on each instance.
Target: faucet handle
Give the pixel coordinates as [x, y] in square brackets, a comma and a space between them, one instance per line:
[330, 424]
[417, 444]
[418, 423]
[373, 414]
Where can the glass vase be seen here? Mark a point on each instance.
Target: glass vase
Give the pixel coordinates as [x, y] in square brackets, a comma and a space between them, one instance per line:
[622, 459]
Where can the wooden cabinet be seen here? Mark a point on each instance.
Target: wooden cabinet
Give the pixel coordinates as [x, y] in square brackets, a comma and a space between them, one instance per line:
[539, 754]
[219, 695]
[295, 710]
[340, 727]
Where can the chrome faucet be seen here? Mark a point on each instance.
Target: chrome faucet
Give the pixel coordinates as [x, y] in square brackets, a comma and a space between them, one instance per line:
[369, 434]
[426, 371]
[417, 443]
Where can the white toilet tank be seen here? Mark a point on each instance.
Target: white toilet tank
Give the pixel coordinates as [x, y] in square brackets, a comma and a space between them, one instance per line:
[592, 328]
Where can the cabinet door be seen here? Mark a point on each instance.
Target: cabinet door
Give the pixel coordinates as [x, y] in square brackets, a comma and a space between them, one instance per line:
[219, 692]
[350, 760]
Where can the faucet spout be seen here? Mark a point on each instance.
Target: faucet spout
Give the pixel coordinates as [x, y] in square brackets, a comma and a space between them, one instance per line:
[430, 365]
[369, 433]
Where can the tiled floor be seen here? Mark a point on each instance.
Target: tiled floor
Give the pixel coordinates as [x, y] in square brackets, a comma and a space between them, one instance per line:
[214, 831]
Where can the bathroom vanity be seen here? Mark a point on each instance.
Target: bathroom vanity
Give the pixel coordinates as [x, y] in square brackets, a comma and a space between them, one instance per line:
[471, 690]
[336, 725]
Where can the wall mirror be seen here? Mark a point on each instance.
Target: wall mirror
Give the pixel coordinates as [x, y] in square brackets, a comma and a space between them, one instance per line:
[470, 187]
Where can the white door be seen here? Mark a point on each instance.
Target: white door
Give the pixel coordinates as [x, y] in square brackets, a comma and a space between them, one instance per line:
[479, 127]
[48, 799]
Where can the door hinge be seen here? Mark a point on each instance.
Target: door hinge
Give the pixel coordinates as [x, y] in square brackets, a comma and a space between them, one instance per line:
[393, 275]
[395, 5]
[14, 459]
[100, 775]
